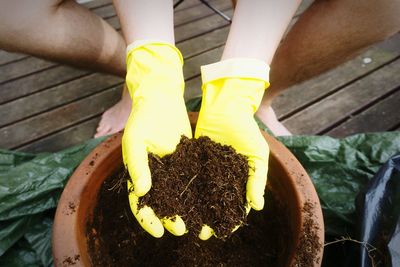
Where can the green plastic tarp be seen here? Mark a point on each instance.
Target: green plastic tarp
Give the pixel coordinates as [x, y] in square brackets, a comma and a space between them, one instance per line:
[30, 186]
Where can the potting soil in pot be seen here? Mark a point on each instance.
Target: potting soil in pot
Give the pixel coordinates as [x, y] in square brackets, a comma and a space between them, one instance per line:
[199, 174]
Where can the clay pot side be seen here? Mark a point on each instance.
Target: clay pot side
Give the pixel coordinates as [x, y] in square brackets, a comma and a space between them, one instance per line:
[77, 202]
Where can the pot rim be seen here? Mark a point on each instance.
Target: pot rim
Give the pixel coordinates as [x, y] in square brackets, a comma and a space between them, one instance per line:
[66, 228]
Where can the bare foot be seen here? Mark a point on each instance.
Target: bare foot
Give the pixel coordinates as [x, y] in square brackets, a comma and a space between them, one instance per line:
[114, 119]
[268, 117]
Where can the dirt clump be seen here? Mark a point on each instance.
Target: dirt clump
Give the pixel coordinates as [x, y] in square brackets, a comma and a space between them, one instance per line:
[202, 181]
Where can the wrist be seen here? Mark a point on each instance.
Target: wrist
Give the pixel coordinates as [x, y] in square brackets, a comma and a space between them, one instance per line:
[235, 84]
[154, 45]
[154, 66]
[242, 68]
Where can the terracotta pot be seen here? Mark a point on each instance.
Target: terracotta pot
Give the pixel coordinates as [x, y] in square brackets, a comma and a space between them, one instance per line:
[286, 176]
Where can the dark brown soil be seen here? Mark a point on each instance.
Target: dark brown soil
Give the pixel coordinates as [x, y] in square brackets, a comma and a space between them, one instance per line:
[116, 239]
[309, 245]
[70, 261]
[202, 181]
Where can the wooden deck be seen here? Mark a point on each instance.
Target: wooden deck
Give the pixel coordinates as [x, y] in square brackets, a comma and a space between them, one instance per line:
[45, 106]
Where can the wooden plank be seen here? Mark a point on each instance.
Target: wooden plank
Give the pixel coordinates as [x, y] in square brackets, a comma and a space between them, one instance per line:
[192, 12]
[105, 12]
[199, 12]
[332, 109]
[100, 3]
[39, 81]
[26, 131]
[56, 96]
[187, 4]
[23, 67]
[382, 116]
[193, 88]
[64, 138]
[7, 57]
[302, 95]
[303, 6]
[200, 26]
[190, 30]
[192, 66]
[203, 43]
[97, 3]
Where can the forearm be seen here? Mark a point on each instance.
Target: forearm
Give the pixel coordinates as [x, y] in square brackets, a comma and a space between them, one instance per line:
[258, 27]
[146, 20]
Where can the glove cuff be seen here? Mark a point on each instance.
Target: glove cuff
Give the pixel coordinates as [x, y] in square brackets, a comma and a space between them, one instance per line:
[247, 68]
[155, 67]
[155, 43]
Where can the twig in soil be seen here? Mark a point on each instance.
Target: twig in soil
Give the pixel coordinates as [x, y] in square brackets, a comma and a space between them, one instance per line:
[370, 248]
[117, 185]
[191, 180]
[158, 159]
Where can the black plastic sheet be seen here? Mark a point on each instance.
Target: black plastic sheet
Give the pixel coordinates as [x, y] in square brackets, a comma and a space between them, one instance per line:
[379, 220]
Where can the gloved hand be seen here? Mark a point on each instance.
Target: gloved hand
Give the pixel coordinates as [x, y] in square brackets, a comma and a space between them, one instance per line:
[156, 123]
[232, 92]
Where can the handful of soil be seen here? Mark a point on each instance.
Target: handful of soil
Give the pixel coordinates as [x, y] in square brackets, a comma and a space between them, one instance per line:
[202, 181]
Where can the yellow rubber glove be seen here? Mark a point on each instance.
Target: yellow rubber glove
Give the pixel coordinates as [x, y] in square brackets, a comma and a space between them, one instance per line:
[232, 92]
[157, 121]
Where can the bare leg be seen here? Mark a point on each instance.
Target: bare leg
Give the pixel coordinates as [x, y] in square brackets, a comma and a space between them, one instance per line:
[66, 32]
[63, 31]
[326, 35]
[258, 27]
[146, 20]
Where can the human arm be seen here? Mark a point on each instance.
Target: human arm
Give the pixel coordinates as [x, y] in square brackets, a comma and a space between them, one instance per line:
[155, 83]
[233, 88]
